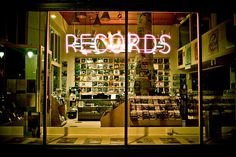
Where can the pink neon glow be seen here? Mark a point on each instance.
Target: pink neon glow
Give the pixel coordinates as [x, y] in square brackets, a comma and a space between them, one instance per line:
[133, 40]
[116, 43]
[119, 40]
[146, 38]
[84, 43]
[102, 38]
[163, 42]
[70, 45]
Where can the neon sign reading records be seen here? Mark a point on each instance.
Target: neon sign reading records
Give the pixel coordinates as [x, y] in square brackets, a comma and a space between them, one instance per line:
[100, 43]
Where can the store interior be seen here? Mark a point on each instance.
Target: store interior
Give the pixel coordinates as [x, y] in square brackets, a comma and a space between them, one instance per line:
[98, 84]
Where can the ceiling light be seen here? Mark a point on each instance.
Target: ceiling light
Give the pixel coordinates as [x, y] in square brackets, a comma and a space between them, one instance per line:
[75, 20]
[105, 16]
[97, 21]
[30, 54]
[81, 15]
[53, 16]
[1, 54]
[119, 15]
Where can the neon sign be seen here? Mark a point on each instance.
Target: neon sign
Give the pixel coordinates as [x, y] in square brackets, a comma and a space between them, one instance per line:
[100, 43]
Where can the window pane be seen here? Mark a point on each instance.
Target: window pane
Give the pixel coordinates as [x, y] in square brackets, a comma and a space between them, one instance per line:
[161, 110]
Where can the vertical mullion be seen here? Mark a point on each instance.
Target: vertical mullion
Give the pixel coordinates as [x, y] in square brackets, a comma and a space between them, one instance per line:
[45, 82]
[200, 115]
[126, 78]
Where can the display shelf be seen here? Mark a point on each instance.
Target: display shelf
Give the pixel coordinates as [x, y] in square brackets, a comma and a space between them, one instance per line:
[107, 75]
[192, 111]
[93, 109]
[155, 111]
[222, 104]
[179, 80]
[162, 74]
[158, 122]
[102, 75]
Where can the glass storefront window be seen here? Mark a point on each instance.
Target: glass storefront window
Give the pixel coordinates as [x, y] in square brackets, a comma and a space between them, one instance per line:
[91, 97]
[158, 108]
[22, 77]
[118, 78]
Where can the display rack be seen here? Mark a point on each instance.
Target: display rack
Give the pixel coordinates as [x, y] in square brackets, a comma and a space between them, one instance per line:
[102, 75]
[192, 111]
[162, 74]
[155, 111]
[223, 105]
[179, 80]
[107, 75]
[93, 109]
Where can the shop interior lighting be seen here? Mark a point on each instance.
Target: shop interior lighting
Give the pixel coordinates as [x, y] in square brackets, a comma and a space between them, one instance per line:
[53, 16]
[1, 51]
[1, 54]
[75, 20]
[105, 16]
[81, 15]
[97, 21]
[30, 54]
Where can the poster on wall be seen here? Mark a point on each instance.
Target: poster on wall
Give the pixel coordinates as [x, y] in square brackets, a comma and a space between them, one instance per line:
[188, 57]
[195, 51]
[64, 75]
[213, 45]
[180, 57]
